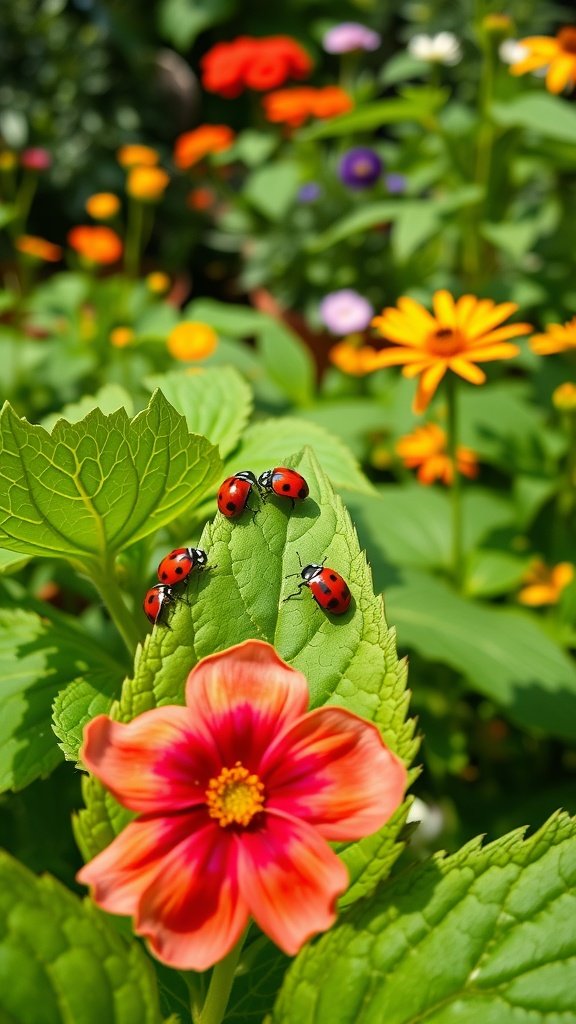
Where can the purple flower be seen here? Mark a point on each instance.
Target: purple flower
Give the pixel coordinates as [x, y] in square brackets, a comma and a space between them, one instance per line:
[345, 311]
[350, 35]
[309, 192]
[395, 183]
[360, 167]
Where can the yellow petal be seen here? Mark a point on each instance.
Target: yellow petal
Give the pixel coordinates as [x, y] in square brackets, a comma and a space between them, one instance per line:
[538, 594]
[467, 370]
[444, 308]
[500, 334]
[560, 73]
[488, 316]
[464, 308]
[488, 353]
[427, 386]
[418, 313]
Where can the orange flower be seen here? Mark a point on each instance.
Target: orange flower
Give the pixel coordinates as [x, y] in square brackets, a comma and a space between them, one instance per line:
[200, 199]
[545, 583]
[295, 106]
[102, 205]
[135, 155]
[158, 282]
[356, 361]
[121, 336]
[38, 248]
[458, 336]
[96, 244]
[191, 340]
[191, 147]
[147, 183]
[558, 338]
[564, 397]
[425, 449]
[557, 53]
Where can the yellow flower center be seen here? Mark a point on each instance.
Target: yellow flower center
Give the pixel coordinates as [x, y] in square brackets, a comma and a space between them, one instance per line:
[567, 40]
[235, 796]
[445, 342]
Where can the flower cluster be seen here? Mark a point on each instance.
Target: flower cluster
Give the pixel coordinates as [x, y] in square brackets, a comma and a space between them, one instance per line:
[247, 63]
[193, 146]
[425, 449]
[294, 106]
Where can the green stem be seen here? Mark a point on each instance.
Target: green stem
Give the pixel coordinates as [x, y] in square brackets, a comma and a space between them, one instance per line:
[23, 202]
[219, 988]
[104, 579]
[134, 230]
[456, 489]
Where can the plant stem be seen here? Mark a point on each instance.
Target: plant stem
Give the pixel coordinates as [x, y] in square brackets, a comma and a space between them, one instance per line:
[133, 237]
[104, 580]
[456, 490]
[219, 988]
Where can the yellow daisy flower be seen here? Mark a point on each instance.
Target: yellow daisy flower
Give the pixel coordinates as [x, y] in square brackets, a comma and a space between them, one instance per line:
[545, 583]
[459, 335]
[557, 53]
[557, 338]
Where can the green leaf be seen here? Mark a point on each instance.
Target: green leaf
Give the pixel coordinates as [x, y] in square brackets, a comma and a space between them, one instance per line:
[550, 116]
[62, 961]
[181, 21]
[11, 561]
[417, 105]
[263, 441]
[485, 936]
[78, 703]
[216, 403]
[92, 488]
[506, 429]
[503, 653]
[234, 321]
[349, 660]
[38, 657]
[401, 67]
[489, 573]
[108, 399]
[287, 362]
[271, 189]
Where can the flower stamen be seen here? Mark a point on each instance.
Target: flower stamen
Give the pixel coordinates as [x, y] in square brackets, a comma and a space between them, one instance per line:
[445, 342]
[235, 796]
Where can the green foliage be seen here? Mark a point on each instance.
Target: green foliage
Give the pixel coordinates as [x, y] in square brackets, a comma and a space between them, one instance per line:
[39, 656]
[88, 490]
[418, 103]
[62, 961]
[483, 936]
[549, 116]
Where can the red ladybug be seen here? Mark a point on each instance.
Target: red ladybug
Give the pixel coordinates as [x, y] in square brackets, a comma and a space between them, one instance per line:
[234, 493]
[177, 566]
[157, 599]
[286, 483]
[328, 588]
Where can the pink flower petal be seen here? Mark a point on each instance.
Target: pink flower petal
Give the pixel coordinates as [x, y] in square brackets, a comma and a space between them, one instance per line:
[291, 880]
[161, 761]
[193, 914]
[245, 696]
[123, 871]
[332, 770]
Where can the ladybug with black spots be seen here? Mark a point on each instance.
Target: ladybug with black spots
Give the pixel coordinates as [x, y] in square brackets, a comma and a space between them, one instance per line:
[284, 482]
[157, 600]
[234, 493]
[328, 588]
[177, 566]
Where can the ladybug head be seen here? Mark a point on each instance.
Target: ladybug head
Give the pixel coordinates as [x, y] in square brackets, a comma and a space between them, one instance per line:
[310, 571]
[265, 480]
[199, 557]
[246, 474]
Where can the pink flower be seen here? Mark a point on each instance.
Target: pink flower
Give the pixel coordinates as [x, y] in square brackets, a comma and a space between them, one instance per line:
[36, 159]
[237, 794]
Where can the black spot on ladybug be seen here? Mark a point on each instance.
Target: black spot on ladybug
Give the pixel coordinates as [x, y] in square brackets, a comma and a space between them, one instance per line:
[164, 577]
[220, 495]
[150, 599]
[324, 587]
[179, 570]
[332, 603]
[333, 577]
[302, 492]
[345, 591]
[285, 487]
[231, 506]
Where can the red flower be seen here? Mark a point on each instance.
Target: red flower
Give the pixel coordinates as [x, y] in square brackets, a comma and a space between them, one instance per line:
[248, 63]
[237, 794]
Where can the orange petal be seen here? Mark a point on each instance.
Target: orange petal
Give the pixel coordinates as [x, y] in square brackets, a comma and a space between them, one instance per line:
[418, 314]
[427, 385]
[333, 770]
[538, 594]
[500, 334]
[487, 316]
[487, 353]
[193, 913]
[291, 879]
[245, 696]
[160, 761]
[464, 309]
[541, 44]
[438, 467]
[389, 328]
[469, 371]
[560, 73]
[406, 327]
[414, 369]
[530, 63]
[444, 308]
[395, 357]
[547, 344]
[562, 574]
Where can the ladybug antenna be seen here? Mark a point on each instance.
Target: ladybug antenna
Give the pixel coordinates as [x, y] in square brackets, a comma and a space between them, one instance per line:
[300, 560]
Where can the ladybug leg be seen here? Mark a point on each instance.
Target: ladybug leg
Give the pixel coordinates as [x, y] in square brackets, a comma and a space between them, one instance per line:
[297, 593]
[253, 511]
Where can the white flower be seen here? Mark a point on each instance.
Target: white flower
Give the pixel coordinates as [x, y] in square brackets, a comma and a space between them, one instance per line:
[430, 819]
[511, 51]
[443, 48]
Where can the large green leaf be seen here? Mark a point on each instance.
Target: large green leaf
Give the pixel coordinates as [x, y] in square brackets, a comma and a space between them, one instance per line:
[349, 660]
[417, 104]
[484, 937]
[287, 362]
[62, 962]
[550, 116]
[108, 399]
[271, 189]
[503, 653]
[38, 658]
[216, 403]
[90, 489]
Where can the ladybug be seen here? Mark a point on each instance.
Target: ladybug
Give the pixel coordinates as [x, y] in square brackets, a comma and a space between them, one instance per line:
[328, 588]
[286, 483]
[156, 600]
[234, 493]
[177, 566]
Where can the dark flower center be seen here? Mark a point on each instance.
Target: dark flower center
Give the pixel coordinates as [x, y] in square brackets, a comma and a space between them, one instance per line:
[567, 40]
